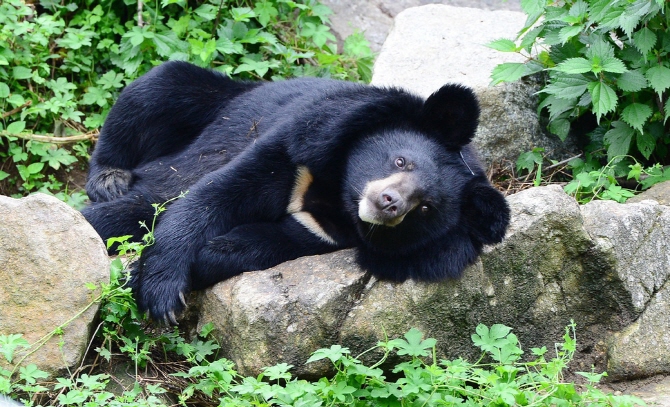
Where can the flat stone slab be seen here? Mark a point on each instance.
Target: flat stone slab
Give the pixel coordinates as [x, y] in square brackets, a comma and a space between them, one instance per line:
[449, 40]
[375, 17]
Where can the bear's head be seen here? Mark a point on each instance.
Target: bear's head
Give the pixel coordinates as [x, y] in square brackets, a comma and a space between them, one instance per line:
[420, 201]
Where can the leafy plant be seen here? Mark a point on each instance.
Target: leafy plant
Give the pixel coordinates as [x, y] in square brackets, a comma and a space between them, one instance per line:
[532, 161]
[608, 59]
[498, 378]
[593, 182]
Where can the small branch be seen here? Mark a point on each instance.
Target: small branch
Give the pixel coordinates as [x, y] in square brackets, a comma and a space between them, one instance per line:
[54, 140]
[558, 164]
[140, 4]
[16, 110]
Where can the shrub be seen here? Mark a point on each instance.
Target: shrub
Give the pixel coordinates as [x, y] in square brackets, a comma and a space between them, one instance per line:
[606, 63]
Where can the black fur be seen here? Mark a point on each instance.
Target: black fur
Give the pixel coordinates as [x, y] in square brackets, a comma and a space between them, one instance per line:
[237, 148]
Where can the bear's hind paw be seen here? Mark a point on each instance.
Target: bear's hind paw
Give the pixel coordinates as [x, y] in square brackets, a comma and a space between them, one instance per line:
[108, 184]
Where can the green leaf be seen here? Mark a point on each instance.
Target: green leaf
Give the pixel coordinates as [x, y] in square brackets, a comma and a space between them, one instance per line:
[630, 19]
[226, 46]
[96, 95]
[603, 97]
[568, 32]
[111, 80]
[667, 110]
[655, 174]
[635, 171]
[334, 353]
[532, 7]
[508, 72]
[574, 65]
[322, 12]
[357, 45]
[644, 40]
[413, 344]
[4, 90]
[265, 12]
[529, 159]
[632, 81]
[503, 45]
[279, 371]
[54, 157]
[646, 143]
[320, 34]
[27, 171]
[613, 65]
[567, 87]
[530, 37]
[618, 139]
[9, 343]
[21, 72]
[560, 127]
[242, 14]
[16, 127]
[168, 43]
[557, 106]
[491, 340]
[207, 12]
[659, 78]
[617, 193]
[3, 175]
[636, 114]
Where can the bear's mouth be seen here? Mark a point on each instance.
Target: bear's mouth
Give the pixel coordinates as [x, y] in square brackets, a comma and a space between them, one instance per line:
[387, 201]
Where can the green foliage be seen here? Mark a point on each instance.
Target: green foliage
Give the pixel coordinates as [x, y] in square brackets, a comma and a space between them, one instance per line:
[36, 165]
[531, 161]
[63, 64]
[499, 378]
[595, 182]
[605, 58]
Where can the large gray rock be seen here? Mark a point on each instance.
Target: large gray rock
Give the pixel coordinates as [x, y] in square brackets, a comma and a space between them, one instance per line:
[283, 313]
[48, 252]
[437, 44]
[375, 17]
[598, 265]
[658, 192]
[636, 240]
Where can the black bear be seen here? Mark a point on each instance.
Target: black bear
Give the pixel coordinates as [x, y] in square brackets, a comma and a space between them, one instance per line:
[279, 170]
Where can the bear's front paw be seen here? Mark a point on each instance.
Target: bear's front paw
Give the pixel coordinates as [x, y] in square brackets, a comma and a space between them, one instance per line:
[108, 184]
[160, 286]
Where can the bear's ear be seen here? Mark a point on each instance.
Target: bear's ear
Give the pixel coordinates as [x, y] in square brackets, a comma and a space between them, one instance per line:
[452, 113]
[484, 211]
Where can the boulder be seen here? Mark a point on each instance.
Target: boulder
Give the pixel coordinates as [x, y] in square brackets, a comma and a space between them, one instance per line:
[635, 239]
[437, 44]
[598, 265]
[48, 253]
[283, 313]
[659, 192]
[375, 17]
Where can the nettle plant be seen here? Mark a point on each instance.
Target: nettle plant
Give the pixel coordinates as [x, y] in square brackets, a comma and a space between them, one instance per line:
[607, 61]
[64, 63]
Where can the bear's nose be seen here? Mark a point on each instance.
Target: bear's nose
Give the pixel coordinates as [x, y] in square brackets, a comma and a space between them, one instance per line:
[388, 201]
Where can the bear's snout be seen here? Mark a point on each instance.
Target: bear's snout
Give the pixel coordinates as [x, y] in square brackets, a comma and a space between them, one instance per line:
[388, 200]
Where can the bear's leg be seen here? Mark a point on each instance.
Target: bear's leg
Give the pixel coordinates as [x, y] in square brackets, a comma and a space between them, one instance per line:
[117, 218]
[159, 114]
[254, 187]
[255, 246]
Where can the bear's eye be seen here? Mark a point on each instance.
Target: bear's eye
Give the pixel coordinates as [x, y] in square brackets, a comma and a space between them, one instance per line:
[400, 162]
[424, 209]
